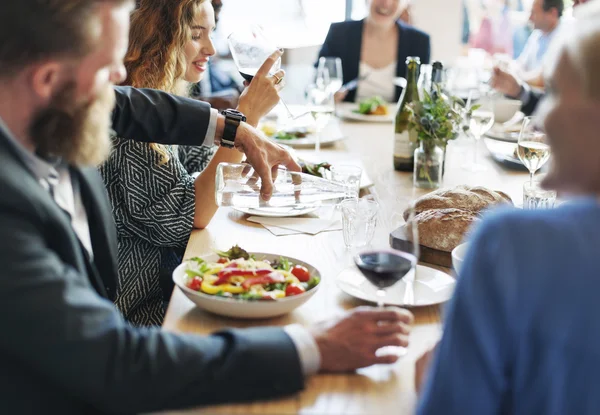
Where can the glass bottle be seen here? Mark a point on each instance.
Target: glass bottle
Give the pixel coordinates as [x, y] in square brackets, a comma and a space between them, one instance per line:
[405, 138]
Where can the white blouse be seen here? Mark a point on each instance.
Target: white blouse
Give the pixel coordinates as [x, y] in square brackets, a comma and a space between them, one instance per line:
[379, 82]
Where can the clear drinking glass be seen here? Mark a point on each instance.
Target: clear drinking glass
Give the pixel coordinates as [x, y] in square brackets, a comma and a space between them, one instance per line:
[349, 176]
[321, 106]
[238, 185]
[533, 149]
[250, 48]
[480, 122]
[359, 219]
[535, 197]
[329, 74]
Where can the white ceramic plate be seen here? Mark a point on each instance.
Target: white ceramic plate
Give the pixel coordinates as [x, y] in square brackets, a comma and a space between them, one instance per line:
[327, 139]
[278, 212]
[430, 287]
[243, 309]
[346, 110]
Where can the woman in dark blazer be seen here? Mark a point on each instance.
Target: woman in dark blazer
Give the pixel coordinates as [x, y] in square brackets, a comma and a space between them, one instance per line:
[375, 48]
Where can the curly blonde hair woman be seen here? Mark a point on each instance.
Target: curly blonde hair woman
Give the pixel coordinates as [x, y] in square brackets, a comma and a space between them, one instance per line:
[156, 200]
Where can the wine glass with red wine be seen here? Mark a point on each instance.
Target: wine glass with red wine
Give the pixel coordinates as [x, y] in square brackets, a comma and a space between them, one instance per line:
[385, 267]
[250, 48]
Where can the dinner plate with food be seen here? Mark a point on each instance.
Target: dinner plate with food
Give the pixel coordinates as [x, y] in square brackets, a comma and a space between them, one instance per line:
[247, 285]
[368, 110]
[302, 135]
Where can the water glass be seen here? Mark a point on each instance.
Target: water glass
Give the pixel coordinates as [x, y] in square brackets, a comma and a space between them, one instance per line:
[534, 197]
[359, 219]
[349, 176]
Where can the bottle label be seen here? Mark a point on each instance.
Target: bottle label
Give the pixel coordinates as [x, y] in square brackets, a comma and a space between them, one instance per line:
[402, 145]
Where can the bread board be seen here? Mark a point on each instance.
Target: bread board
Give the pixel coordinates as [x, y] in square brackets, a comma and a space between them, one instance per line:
[398, 240]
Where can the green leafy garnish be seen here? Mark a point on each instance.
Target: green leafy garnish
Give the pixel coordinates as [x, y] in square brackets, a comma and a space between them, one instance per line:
[193, 273]
[235, 252]
[313, 282]
[249, 296]
[314, 169]
[367, 106]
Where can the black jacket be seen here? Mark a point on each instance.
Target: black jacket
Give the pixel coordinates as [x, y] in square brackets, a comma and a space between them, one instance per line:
[344, 40]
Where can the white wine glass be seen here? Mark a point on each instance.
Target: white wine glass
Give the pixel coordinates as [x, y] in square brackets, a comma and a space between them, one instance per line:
[321, 106]
[329, 74]
[250, 47]
[480, 121]
[533, 148]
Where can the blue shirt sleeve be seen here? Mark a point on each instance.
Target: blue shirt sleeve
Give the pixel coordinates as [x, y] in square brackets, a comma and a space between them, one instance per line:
[469, 371]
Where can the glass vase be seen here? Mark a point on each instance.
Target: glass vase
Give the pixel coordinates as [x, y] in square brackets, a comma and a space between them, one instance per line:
[429, 163]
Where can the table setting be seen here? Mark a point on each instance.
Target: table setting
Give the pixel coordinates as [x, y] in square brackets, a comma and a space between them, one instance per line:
[350, 229]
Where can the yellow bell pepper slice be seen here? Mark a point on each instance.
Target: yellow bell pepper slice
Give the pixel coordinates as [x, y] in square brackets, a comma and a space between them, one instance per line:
[208, 288]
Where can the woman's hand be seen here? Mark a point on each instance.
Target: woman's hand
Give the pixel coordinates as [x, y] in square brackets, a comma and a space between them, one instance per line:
[262, 94]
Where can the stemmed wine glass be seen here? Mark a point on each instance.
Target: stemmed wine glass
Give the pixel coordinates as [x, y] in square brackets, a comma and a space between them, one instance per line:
[329, 74]
[480, 121]
[250, 48]
[321, 106]
[533, 149]
[384, 267]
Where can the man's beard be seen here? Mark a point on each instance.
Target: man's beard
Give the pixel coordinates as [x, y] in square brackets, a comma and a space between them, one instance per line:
[78, 133]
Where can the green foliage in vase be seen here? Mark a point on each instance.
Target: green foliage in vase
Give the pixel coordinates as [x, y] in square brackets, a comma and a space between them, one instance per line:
[439, 119]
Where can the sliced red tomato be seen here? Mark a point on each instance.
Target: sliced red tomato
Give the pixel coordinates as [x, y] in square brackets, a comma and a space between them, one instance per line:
[222, 260]
[301, 273]
[294, 289]
[195, 283]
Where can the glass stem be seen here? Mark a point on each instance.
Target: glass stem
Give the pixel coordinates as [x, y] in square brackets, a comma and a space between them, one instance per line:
[380, 297]
[475, 157]
[318, 140]
[531, 173]
[290, 115]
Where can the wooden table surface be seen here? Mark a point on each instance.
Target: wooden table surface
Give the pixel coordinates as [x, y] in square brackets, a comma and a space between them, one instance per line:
[374, 390]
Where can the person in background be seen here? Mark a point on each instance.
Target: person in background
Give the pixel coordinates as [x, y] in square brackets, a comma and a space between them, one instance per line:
[63, 339]
[156, 201]
[513, 86]
[521, 334]
[374, 51]
[545, 17]
[495, 31]
[217, 87]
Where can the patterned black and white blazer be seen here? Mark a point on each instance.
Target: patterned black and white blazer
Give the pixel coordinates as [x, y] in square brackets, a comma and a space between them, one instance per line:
[153, 206]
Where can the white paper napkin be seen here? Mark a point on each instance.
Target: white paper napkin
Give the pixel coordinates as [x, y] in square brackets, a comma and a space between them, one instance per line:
[290, 226]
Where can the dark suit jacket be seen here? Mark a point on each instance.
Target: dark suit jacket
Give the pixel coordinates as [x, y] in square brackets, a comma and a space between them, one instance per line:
[344, 40]
[535, 96]
[64, 347]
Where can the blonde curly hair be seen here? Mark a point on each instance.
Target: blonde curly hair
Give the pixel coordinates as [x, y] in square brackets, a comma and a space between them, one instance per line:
[155, 58]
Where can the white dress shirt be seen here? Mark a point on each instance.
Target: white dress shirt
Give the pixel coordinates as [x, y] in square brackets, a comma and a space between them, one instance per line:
[55, 178]
[378, 82]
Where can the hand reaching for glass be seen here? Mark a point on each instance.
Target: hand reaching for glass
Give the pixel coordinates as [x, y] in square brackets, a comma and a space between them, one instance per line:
[351, 340]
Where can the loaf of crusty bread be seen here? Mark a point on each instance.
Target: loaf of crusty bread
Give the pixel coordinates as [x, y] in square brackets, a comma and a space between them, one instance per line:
[444, 229]
[472, 199]
[445, 216]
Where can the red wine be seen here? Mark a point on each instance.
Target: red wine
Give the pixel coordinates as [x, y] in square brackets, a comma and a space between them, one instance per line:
[248, 73]
[384, 269]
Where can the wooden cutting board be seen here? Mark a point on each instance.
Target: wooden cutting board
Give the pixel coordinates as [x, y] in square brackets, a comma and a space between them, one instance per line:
[398, 240]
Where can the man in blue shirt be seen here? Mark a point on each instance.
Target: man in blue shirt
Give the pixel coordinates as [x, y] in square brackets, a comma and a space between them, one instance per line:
[522, 334]
[545, 17]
